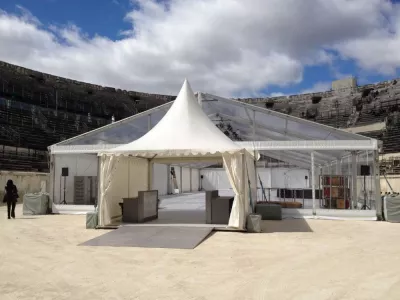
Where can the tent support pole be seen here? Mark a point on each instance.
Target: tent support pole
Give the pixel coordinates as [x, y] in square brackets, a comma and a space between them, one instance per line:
[255, 159]
[149, 175]
[129, 177]
[169, 190]
[99, 166]
[243, 191]
[375, 173]
[190, 176]
[314, 209]
[354, 179]
[52, 180]
[180, 180]
[338, 167]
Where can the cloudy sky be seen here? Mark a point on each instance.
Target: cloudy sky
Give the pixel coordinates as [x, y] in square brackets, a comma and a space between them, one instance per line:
[228, 47]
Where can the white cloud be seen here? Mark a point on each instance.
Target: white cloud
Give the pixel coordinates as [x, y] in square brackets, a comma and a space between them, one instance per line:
[277, 94]
[318, 87]
[226, 47]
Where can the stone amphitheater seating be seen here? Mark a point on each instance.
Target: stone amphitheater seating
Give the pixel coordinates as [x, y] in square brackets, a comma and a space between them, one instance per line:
[339, 109]
[374, 134]
[30, 136]
[26, 133]
[38, 110]
[391, 140]
[9, 160]
[46, 109]
[390, 165]
[41, 133]
[335, 118]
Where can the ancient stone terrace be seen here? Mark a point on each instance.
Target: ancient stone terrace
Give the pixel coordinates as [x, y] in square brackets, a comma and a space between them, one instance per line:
[65, 94]
[48, 108]
[335, 108]
[348, 108]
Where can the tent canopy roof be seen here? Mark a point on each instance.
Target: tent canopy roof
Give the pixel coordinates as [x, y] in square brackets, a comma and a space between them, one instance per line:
[252, 123]
[184, 130]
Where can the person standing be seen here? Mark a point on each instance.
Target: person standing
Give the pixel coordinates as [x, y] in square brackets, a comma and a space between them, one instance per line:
[11, 197]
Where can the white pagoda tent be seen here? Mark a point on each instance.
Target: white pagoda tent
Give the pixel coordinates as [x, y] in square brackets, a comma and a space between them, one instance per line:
[283, 140]
[184, 134]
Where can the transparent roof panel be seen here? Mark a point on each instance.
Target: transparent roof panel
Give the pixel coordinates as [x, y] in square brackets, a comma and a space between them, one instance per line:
[277, 123]
[156, 116]
[307, 131]
[121, 132]
[270, 125]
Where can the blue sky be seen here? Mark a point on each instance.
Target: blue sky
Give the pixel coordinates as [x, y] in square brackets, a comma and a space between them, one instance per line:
[107, 18]
[104, 17]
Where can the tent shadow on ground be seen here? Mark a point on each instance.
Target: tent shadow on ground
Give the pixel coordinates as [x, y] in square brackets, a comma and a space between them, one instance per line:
[288, 225]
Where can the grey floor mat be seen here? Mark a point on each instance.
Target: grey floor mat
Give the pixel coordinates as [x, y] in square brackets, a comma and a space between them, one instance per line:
[152, 237]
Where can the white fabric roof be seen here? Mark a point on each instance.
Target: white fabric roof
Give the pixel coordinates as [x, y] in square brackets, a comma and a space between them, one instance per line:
[184, 130]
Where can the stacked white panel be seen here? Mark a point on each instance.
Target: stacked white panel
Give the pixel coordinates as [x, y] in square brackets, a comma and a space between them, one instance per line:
[185, 180]
[160, 179]
[195, 180]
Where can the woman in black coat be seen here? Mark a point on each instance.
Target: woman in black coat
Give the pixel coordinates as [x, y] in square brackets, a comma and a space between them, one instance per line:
[11, 197]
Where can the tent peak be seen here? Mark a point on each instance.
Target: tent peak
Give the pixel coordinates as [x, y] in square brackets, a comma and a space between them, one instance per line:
[186, 91]
[185, 126]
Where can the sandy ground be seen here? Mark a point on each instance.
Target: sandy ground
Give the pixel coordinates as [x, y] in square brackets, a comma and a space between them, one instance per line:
[293, 259]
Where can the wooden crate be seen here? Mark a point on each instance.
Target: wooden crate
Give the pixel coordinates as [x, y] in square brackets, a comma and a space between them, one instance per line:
[337, 192]
[327, 192]
[342, 204]
[334, 180]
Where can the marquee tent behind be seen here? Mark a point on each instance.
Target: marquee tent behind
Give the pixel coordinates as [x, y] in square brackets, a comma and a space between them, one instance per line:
[185, 134]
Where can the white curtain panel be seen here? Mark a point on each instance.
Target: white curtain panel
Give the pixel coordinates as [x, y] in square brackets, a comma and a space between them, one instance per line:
[120, 177]
[119, 187]
[234, 165]
[251, 182]
[107, 168]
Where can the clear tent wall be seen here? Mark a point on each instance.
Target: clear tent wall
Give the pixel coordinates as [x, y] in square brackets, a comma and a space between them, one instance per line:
[271, 130]
[335, 183]
[340, 189]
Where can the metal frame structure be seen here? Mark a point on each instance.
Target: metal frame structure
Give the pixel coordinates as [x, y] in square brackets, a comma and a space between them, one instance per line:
[297, 141]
